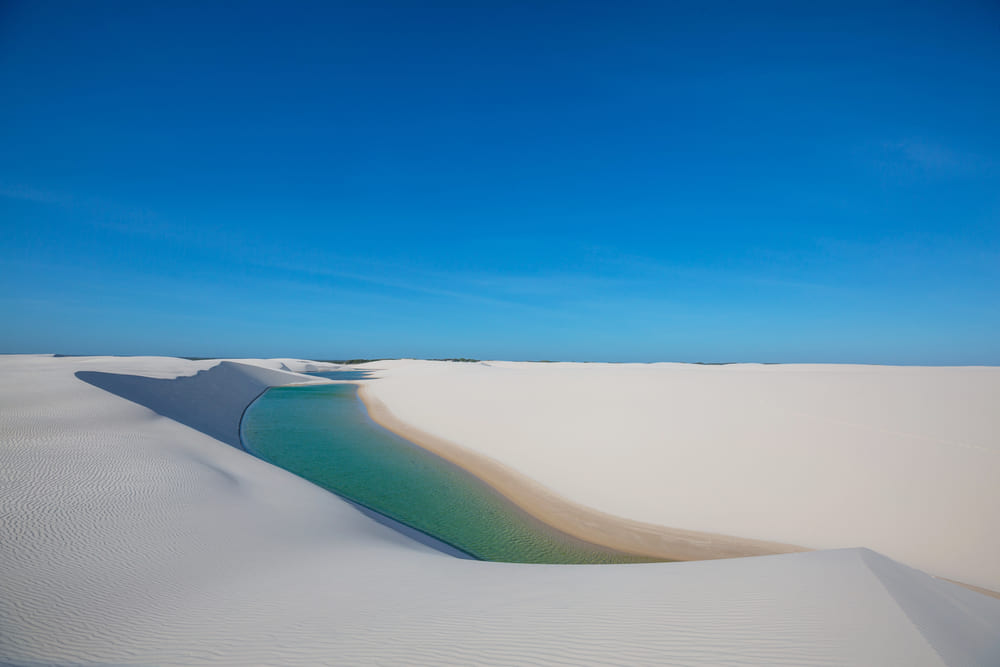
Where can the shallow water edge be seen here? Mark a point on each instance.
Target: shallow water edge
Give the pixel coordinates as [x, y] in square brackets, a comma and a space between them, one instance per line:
[325, 434]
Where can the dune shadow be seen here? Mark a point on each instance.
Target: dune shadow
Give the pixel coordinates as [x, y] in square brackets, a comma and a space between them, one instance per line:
[213, 402]
[210, 401]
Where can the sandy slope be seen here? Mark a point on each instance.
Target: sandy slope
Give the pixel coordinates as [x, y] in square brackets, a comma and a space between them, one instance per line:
[133, 538]
[903, 460]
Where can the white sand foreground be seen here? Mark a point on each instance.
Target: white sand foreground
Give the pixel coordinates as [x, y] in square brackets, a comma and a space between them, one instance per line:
[129, 537]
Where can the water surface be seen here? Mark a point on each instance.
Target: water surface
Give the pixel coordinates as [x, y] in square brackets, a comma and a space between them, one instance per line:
[324, 434]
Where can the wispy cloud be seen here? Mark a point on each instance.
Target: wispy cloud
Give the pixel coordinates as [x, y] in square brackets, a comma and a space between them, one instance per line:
[602, 276]
[102, 213]
[929, 157]
[24, 193]
[399, 278]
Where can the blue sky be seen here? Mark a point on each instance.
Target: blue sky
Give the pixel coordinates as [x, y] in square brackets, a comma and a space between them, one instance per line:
[610, 181]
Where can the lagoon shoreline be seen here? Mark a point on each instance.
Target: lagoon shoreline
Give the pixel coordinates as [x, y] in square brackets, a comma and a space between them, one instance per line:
[899, 459]
[582, 522]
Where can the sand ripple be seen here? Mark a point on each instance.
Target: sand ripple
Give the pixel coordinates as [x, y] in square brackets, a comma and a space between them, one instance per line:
[130, 538]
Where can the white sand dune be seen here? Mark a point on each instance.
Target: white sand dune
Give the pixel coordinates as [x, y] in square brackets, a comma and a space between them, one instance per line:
[903, 460]
[129, 535]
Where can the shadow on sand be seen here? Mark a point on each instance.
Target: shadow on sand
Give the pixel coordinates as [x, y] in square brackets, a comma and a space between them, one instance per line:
[213, 402]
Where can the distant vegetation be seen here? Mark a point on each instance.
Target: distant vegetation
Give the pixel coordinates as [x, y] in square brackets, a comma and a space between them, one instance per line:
[365, 361]
[347, 361]
[730, 363]
[471, 361]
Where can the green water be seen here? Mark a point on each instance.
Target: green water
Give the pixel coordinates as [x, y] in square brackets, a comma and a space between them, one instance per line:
[324, 434]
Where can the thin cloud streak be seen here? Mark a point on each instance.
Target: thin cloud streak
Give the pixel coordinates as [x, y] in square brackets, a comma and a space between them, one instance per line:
[928, 158]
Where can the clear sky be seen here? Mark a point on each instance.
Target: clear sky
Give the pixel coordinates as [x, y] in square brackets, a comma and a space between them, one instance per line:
[615, 181]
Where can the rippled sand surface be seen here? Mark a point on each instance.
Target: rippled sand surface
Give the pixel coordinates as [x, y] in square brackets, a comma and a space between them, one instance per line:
[132, 533]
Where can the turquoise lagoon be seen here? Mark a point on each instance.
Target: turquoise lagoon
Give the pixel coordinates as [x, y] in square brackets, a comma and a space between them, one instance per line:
[324, 434]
